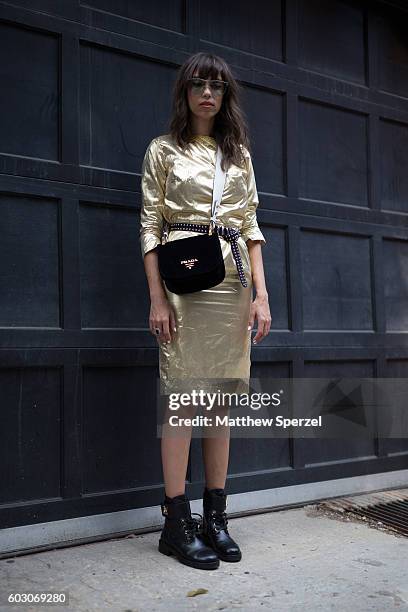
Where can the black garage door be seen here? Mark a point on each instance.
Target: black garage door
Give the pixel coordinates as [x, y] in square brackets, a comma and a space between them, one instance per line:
[85, 86]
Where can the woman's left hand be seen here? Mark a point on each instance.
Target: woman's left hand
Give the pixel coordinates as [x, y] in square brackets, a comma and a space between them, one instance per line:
[260, 311]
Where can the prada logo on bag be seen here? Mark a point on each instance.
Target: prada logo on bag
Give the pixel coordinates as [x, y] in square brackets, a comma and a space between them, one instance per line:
[188, 263]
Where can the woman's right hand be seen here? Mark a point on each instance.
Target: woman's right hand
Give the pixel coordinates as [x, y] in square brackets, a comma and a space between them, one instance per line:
[163, 317]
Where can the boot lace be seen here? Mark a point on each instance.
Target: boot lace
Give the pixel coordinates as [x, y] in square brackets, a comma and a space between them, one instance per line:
[219, 521]
[192, 526]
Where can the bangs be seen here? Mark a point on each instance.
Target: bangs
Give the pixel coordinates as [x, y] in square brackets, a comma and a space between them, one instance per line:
[207, 68]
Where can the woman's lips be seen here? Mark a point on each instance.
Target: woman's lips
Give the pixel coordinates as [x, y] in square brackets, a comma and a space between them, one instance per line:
[206, 104]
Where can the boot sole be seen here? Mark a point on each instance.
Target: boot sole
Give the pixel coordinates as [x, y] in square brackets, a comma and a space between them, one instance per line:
[231, 558]
[166, 549]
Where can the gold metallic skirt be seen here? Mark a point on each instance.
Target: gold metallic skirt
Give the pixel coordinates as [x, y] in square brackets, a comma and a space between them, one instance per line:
[212, 341]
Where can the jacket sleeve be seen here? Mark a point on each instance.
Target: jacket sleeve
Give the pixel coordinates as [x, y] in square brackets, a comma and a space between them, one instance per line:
[153, 186]
[250, 228]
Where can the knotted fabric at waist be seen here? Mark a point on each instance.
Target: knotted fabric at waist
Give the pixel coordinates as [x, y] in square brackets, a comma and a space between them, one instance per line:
[230, 234]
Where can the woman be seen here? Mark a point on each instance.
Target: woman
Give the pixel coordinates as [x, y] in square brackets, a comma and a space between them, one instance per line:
[205, 334]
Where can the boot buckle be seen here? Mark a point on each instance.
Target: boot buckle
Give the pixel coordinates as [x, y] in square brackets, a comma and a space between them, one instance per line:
[164, 509]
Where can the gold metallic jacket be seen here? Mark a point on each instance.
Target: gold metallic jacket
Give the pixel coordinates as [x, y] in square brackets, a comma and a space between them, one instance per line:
[177, 187]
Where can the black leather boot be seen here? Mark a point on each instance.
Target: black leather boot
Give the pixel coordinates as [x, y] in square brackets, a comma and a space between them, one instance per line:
[181, 535]
[215, 529]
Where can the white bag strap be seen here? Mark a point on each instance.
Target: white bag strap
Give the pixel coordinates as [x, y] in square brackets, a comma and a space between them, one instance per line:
[219, 183]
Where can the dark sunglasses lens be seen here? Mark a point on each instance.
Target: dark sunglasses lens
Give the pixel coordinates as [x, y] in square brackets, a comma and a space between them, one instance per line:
[218, 87]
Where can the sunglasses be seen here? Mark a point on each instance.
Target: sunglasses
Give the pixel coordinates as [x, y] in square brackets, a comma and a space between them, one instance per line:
[197, 86]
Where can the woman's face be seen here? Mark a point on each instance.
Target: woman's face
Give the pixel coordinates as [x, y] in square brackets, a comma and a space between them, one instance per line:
[205, 104]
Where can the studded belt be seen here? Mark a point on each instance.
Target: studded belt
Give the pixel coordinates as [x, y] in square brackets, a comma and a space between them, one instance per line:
[230, 234]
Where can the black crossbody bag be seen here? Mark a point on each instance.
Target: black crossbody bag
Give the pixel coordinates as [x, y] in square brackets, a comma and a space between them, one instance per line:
[195, 263]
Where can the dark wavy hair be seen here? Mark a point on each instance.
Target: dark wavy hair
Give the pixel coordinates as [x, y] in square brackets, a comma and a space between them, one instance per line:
[230, 125]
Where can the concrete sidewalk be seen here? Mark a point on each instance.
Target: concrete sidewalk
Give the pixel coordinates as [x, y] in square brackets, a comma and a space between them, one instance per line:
[295, 559]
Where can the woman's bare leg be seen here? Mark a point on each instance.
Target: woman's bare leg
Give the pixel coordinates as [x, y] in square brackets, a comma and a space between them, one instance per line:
[174, 452]
[215, 453]
[175, 447]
